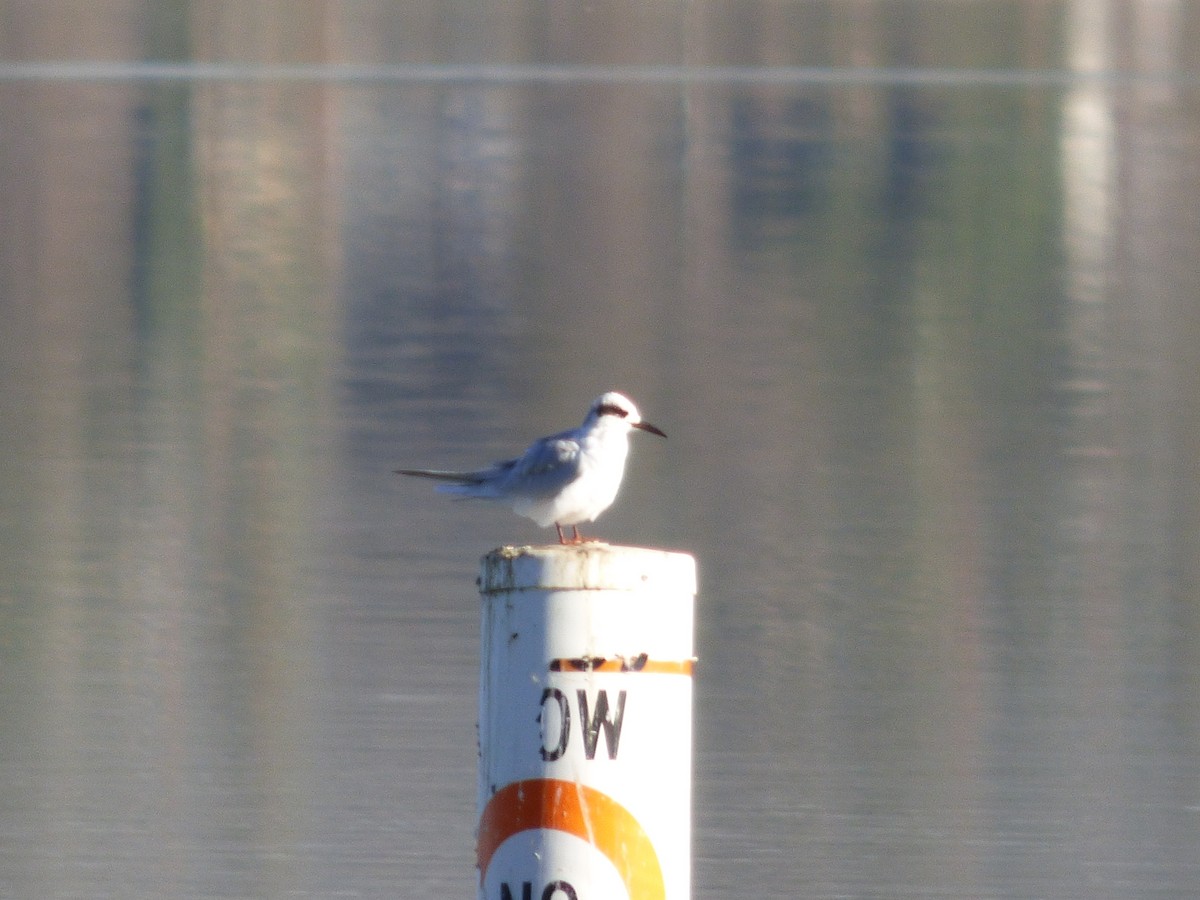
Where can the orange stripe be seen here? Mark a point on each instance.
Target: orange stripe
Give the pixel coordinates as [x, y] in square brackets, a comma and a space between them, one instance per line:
[577, 809]
[639, 663]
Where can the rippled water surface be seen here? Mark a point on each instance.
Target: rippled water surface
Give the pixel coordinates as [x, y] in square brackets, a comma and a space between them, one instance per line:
[911, 286]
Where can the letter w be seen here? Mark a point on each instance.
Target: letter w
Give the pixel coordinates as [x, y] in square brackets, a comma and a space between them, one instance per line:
[592, 724]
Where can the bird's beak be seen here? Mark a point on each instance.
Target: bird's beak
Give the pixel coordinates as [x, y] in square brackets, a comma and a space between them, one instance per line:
[646, 426]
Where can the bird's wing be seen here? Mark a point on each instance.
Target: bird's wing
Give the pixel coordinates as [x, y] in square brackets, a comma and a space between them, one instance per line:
[440, 475]
[547, 466]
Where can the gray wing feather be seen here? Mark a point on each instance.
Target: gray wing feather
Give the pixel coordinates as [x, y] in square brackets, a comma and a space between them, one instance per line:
[440, 475]
[546, 467]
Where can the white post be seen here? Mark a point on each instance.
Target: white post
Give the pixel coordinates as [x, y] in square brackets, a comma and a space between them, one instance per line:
[585, 723]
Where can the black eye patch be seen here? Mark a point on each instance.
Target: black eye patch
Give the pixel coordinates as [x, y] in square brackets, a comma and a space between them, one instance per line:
[608, 409]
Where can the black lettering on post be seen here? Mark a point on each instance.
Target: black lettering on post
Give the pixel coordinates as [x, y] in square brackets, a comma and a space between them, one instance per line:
[591, 725]
[507, 894]
[557, 887]
[549, 754]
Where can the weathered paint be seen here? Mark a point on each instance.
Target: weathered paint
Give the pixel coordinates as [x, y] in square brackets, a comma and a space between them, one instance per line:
[585, 722]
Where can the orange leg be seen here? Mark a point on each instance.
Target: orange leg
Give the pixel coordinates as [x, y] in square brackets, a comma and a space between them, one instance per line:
[576, 538]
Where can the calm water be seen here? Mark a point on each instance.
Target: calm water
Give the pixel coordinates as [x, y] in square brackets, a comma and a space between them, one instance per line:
[920, 316]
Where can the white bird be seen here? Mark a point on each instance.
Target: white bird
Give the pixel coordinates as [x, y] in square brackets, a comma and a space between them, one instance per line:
[563, 479]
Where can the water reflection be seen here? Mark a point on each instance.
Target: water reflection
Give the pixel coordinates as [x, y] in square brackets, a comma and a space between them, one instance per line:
[924, 351]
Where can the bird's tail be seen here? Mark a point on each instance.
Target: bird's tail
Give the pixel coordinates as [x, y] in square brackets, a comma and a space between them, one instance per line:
[439, 475]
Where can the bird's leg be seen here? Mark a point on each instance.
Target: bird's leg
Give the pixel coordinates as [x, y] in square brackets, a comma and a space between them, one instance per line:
[576, 537]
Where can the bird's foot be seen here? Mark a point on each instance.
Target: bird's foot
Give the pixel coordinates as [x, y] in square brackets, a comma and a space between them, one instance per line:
[576, 537]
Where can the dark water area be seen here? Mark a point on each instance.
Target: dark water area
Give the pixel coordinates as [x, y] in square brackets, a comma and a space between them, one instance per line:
[911, 287]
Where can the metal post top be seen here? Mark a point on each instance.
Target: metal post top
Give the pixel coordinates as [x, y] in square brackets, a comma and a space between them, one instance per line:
[590, 566]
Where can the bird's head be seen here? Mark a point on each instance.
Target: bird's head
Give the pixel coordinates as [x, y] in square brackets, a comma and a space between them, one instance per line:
[613, 408]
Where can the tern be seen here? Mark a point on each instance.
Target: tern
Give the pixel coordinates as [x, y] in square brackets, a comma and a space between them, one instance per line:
[563, 479]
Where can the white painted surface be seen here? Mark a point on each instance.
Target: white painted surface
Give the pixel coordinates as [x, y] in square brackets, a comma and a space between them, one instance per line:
[605, 739]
